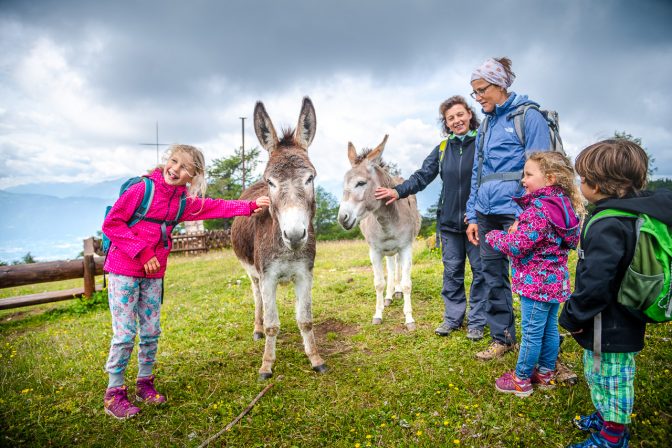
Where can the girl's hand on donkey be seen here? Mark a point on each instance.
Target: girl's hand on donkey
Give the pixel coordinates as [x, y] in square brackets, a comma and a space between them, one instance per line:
[384, 193]
[262, 201]
[152, 266]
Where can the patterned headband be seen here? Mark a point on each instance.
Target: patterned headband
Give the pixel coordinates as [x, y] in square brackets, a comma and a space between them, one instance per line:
[493, 72]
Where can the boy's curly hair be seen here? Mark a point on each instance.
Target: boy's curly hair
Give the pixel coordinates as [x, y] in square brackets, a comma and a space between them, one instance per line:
[617, 167]
[558, 165]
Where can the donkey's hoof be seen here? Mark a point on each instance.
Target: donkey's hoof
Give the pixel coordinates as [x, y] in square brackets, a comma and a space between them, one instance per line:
[398, 295]
[410, 326]
[258, 335]
[388, 302]
[377, 321]
[322, 368]
[265, 376]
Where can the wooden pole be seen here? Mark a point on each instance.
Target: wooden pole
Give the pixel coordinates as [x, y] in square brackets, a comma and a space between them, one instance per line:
[89, 275]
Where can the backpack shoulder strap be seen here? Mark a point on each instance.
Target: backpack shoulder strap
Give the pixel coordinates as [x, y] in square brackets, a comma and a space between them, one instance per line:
[180, 210]
[480, 142]
[147, 198]
[442, 153]
[442, 149]
[609, 213]
[518, 117]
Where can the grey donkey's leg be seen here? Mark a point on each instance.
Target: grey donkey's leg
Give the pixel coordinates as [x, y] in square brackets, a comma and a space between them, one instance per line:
[406, 258]
[378, 283]
[391, 263]
[397, 277]
[304, 318]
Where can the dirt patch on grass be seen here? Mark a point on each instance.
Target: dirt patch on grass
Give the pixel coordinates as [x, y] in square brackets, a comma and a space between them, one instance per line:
[333, 336]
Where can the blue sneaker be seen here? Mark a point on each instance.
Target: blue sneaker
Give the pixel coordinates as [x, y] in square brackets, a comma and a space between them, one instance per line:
[595, 440]
[592, 422]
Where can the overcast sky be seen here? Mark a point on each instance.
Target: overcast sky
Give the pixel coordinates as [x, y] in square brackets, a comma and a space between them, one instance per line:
[82, 83]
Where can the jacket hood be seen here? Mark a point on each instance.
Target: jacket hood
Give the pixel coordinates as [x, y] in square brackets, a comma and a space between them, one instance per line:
[557, 206]
[511, 104]
[656, 203]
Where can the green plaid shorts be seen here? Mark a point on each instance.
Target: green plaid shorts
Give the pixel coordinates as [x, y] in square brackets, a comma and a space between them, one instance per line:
[613, 389]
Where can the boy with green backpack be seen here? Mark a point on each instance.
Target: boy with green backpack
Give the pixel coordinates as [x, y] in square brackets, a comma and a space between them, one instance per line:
[608, 311]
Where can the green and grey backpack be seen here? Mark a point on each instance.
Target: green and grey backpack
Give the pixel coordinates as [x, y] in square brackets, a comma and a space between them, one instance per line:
[646, 284]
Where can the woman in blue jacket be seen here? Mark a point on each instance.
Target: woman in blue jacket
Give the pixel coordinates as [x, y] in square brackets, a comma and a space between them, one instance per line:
[495, 182]
[452, 160]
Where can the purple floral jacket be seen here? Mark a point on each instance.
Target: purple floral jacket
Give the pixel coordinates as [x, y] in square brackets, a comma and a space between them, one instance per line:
[548, 229]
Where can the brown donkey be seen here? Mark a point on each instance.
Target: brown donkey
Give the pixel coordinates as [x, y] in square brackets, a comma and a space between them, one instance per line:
[278, 245]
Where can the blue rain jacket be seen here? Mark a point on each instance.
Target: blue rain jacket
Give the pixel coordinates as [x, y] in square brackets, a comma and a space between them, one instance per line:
[503, 152]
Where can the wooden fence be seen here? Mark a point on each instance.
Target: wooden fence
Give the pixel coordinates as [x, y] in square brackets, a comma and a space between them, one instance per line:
[27, 274]
[88, 267]
[196, 243]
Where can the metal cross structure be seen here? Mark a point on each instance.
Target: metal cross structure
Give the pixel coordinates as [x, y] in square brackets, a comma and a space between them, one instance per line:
[242, 148]
[157, 144]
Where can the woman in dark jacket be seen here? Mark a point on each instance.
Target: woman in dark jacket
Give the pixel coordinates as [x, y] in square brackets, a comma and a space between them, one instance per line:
[452, 159]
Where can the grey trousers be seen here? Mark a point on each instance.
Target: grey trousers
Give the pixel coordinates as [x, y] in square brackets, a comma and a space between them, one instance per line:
[495, 265]
[455, 248]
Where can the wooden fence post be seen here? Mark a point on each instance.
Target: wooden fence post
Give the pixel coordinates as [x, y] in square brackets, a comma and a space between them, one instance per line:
[89, 268]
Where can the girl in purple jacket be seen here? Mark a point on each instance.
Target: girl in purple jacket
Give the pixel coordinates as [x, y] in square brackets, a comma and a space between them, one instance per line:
[137, 261]
[538, 245]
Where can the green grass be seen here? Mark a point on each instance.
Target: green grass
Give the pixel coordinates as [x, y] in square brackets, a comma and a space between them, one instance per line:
[385, 387]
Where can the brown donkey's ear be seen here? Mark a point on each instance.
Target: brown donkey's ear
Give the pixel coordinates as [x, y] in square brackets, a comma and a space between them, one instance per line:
[305, 129]
[352, 154]
[378, 152]
[263, 126]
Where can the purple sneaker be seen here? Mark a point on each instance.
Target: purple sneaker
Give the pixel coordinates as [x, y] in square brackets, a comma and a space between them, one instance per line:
[117, 404]
[543, 380]
[145, 391]
[510, 383]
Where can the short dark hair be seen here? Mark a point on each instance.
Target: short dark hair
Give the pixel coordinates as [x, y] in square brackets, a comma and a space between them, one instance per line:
[450, 102]
[618, 167]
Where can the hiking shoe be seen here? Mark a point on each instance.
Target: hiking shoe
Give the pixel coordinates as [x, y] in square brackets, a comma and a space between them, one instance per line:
[511, 384]
[145, 391]
[495, 350]
[117, 404]
[595, 440]
[474, 334]
[592, 422]
[543, 380]
[564, 374]
[444, 329]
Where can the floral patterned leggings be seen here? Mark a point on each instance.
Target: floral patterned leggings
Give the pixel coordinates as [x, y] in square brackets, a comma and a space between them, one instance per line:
[133, 299]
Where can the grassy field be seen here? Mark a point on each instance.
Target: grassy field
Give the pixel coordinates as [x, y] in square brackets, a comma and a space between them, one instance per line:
[385, 387]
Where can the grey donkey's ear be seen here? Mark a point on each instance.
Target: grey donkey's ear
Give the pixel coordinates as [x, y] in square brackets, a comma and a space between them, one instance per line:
[263, 126]
[305, 129]
[352, 154]
[378, 152]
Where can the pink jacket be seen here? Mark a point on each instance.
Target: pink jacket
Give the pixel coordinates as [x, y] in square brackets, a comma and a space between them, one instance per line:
[132, 247]
[547, 230]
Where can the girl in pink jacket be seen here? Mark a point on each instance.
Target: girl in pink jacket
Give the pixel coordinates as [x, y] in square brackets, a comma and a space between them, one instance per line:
[137, 261]
[538, 246]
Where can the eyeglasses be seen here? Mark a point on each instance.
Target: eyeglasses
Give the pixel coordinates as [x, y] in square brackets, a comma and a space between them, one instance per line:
[480, 92]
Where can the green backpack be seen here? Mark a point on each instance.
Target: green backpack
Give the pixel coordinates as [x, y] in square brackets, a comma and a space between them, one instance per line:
[646, 284]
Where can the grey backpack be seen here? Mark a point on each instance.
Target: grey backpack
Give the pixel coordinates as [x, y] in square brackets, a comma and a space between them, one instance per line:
[518, 117]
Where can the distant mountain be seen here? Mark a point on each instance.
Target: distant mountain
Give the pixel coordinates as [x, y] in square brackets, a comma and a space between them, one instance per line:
[47, 226]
